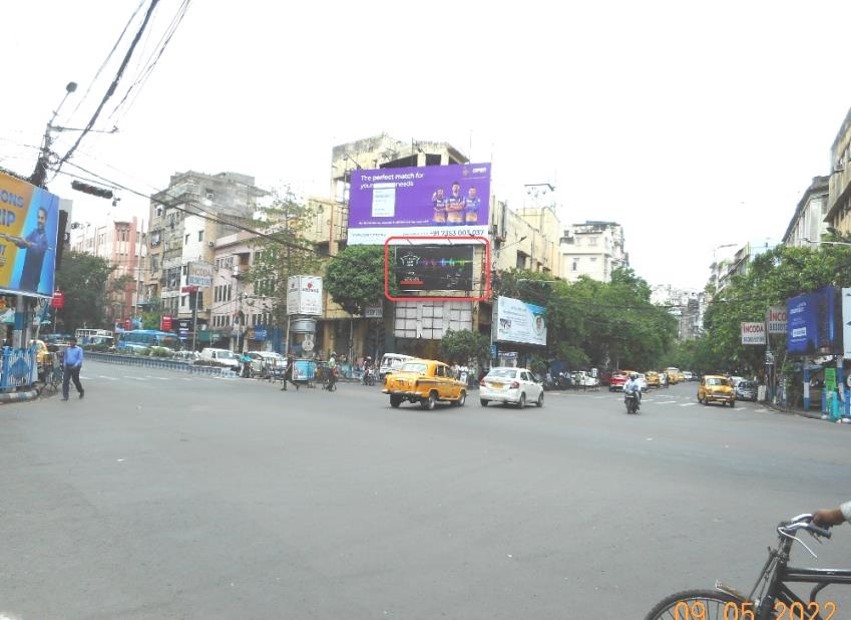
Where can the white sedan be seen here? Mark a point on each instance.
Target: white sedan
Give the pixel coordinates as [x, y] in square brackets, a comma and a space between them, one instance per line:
[510, 385]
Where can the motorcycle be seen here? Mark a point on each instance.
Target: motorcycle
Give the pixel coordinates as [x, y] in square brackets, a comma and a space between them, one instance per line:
[631, 401]
[369, 376]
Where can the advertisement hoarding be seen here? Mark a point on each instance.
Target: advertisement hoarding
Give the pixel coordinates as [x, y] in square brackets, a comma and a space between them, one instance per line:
[753, 332]
[199, 274]
[304, 295]
[446, 201]
[29, 221]
[518, 321]
[813, 323]
[434, 268]
[846, 323]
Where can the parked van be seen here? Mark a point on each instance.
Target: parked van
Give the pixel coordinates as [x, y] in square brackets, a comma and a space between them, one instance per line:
[391, 362]
[223, 356]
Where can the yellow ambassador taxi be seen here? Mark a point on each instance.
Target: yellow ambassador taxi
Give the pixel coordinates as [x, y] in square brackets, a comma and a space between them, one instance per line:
[424, 382]
[715, 389]
[652, 378]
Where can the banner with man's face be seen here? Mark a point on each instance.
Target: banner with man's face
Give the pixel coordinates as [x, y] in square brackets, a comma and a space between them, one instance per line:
[29, 224]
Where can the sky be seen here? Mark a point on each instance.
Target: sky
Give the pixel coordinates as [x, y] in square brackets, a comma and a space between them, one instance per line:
[693, 125]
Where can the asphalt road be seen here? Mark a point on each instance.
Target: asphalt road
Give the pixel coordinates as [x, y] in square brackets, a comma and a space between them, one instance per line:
[168, 496]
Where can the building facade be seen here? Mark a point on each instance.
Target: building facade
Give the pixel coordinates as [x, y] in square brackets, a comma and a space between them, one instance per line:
[808, 222]
[593, 249]
[839, 195]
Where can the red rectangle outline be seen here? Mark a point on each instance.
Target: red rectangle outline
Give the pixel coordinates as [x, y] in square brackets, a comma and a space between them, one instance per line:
[484, 297]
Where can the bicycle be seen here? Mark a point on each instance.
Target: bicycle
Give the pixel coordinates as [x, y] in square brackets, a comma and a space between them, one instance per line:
[770, 596]
[52, 377]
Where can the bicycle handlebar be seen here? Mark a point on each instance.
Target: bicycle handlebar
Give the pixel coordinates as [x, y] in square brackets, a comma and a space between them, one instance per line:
[803, 522]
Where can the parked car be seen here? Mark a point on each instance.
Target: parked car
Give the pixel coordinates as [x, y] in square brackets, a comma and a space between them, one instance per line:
[619, 377]
[584, 379]
[510, 385]
[689, 375]
[642, 381]
[222, 356]
[424, 382]
[746, 390]
[391, 362]
[652, 378]
[715, 389]
[267, 364]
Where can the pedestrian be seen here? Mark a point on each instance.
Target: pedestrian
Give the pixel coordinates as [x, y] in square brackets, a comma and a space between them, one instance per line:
[245, 359]
[288, 373]
[71, 364]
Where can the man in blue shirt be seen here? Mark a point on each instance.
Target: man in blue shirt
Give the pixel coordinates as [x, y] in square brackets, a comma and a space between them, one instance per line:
[72, 363]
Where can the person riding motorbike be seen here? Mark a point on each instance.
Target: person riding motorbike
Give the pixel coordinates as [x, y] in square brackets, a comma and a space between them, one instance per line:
[368, 371]
[632, 387]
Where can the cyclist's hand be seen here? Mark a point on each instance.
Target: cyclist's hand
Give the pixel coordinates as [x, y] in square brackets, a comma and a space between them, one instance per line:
[828, 516]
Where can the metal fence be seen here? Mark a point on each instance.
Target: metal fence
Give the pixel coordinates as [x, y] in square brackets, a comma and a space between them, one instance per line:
[144, 361]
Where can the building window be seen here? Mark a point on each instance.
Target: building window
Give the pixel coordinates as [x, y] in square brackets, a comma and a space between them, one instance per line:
[592, 240]
[200, 235]
[186, 240]
[575, 264]
[183, 301]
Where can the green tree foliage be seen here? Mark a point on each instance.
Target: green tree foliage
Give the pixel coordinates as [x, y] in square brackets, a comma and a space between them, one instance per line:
[592, 323]
[282, 251]
[83, 278]
[464, 347]
[355, 278]
[771, 279]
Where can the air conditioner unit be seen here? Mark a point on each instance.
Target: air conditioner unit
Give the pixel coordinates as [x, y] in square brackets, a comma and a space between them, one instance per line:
[211, 244]
[236, 270]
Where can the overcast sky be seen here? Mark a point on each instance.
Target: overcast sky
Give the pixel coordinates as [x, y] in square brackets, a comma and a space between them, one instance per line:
[691, 124]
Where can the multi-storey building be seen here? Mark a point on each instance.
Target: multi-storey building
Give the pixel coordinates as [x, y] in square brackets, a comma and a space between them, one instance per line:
[839, 200]
[592, 249]
[121, 242]
[687, 306]
[808, 223]
[186, 220]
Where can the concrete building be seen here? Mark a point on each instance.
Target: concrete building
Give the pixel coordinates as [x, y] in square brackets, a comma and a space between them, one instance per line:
[687, 306]
[186, 220]
[839, 195]
[808, 221]
[120, 240]
[593, 249]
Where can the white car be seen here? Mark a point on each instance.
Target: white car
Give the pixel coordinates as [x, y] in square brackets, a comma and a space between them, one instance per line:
[642, 381]
[510, 385]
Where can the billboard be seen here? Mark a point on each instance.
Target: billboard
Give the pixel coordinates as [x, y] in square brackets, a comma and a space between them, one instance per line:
[846, 323]
[813, 323]
[29, 221]
[446, 201]
[434, 268]
[518, 321]
[304, 295]
[199, 274]
[753, 332]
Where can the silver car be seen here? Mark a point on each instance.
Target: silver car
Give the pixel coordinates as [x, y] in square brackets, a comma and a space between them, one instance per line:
[510, 385]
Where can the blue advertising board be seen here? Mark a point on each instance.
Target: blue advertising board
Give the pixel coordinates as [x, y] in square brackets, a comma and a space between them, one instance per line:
[813, 323]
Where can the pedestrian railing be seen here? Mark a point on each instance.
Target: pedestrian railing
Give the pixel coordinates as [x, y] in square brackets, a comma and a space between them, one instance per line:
[161, 363]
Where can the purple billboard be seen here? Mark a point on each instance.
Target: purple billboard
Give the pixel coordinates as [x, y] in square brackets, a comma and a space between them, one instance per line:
[445, 201]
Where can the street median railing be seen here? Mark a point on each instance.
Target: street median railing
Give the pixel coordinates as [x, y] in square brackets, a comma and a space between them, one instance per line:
[161, 363]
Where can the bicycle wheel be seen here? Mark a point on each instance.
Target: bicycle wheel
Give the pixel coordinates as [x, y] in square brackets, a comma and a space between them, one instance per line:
[704, 604]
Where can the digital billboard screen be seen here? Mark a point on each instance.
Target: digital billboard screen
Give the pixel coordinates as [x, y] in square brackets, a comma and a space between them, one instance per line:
[434, 268]
[813, 325]
[29, 222]
[447, 201]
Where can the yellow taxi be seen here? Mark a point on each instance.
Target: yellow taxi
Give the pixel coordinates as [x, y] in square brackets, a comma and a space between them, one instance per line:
[424, 382]
[652, 378]
[715, 389]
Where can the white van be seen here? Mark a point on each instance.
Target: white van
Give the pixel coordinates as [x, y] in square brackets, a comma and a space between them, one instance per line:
[391, 362]
[223, 356]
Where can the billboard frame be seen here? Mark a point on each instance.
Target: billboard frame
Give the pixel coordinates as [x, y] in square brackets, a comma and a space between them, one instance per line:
[485, 296]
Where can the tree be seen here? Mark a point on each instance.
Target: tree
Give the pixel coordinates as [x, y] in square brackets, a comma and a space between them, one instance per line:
[83, 278]
[282, 251]
[355, 278]
[464, 347]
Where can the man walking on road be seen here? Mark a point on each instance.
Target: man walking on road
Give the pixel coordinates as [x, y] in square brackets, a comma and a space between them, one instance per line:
[72, 364]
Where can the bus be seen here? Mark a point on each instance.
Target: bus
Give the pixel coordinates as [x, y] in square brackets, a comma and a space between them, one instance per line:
[87, 336]
[136, 339]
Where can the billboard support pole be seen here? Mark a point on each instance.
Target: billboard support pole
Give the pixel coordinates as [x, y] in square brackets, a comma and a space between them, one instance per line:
[195, 322]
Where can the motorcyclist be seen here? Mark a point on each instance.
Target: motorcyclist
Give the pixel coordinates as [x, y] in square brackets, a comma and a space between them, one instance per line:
[633, 387]
[368, 370]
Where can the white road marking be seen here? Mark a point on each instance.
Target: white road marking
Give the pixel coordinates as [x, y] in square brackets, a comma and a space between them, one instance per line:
[688, 404]
[666, 402]
[107, 378]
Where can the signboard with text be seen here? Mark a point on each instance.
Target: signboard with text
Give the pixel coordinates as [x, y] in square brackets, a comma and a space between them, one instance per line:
[199, 274]
[434, 268]
[29, 224]
[304, 295]
[813, 327]
[846, 323]
[753, 332]
[776, 319]
[447, 201]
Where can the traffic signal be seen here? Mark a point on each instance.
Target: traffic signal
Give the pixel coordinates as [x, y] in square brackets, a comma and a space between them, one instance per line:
[91, 189]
